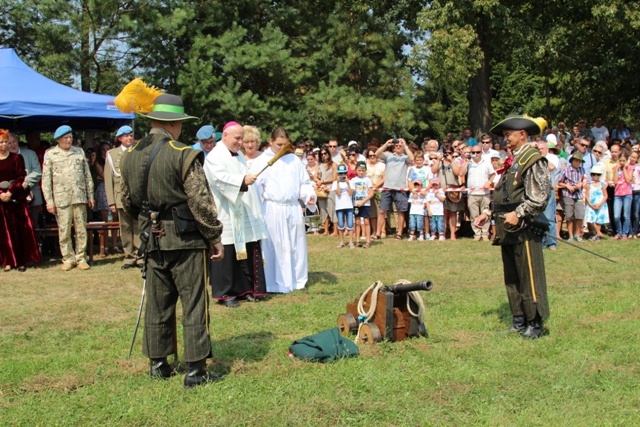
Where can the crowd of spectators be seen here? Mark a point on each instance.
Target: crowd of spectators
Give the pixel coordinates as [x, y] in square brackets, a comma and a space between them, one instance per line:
[424, 191]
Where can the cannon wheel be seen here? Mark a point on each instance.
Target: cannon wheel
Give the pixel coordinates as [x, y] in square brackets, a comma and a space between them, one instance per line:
[347, 324]
[369, 333]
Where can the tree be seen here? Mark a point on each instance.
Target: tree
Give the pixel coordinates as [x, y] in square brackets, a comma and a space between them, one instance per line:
[78, 43]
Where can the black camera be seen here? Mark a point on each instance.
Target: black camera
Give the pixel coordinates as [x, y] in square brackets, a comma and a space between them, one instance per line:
[395, 140]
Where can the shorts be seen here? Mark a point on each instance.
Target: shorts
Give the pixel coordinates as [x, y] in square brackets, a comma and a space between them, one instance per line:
[398, 197]
[345, 217]
[362, 212]
[573, 208]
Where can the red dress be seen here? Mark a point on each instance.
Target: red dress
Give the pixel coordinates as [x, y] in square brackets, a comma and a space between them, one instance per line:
[18, 245]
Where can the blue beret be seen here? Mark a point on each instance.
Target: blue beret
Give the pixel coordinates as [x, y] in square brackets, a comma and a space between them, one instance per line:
[62, 131]
[124, 130]
[218, 136]
[205, 132]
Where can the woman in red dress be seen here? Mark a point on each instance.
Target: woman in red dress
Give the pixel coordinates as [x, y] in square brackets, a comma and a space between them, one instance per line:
[18, 246]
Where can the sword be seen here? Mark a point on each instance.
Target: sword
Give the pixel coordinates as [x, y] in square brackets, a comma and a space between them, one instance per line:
[531, 226]
[135, 330]
[543, 233]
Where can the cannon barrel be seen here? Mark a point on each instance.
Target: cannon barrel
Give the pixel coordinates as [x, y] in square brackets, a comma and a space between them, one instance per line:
[425, 285]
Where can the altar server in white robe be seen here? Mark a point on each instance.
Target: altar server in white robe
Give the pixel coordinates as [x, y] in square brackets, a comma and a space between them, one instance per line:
[241, 274]
[281, 188]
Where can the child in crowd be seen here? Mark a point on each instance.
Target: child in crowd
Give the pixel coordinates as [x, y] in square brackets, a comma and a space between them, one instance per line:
[435, 209]
[362, 195]
[623, 196]
[416, 211]
[596, 211]
[344, 205]
[571, 183]
[422, 172]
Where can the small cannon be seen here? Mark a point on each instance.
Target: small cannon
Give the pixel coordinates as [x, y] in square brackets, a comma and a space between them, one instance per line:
[394, 313]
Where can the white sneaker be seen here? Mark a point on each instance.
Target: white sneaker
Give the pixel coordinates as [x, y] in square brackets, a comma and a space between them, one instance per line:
[420, 238]
[441, 238]
[412, 238]
[432, 238]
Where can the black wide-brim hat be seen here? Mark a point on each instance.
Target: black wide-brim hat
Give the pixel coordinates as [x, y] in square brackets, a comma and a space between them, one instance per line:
[168, 108]
[531, 125]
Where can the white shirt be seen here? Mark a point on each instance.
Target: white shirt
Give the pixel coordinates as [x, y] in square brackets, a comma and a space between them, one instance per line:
[436, 206]
[417, 201]
[477, 176]
[343, 201]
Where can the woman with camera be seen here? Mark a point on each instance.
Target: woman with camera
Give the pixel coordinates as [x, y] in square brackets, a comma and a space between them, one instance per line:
[448, 171]
[326, 175]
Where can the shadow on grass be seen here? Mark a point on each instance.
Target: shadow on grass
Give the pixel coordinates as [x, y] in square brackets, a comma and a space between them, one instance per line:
[234, 352]
[503, 312]
[322, 278]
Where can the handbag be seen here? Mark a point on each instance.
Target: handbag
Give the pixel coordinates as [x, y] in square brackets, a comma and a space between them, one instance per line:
[321, 194]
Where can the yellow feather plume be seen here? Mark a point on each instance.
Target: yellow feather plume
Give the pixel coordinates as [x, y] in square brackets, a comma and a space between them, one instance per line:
[542, 123]
[136, 97]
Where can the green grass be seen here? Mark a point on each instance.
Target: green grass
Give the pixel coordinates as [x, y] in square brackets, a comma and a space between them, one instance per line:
[64, 338]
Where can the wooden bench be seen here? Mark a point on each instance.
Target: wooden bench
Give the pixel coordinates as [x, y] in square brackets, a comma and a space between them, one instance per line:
[101, 228]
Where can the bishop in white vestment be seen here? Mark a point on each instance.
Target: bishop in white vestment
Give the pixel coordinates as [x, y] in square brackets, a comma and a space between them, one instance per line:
[241, 273]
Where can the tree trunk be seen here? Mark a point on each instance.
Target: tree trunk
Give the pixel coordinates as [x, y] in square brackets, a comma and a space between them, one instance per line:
[479, 93]
[85, 73]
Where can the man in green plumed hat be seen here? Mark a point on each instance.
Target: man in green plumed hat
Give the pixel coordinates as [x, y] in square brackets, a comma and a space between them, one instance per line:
[520, 197]
[165, 185]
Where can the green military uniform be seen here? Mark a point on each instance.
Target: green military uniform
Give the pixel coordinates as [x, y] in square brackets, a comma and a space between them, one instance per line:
[67, 185]
[523, 188]
[129, 232]
[177, 263]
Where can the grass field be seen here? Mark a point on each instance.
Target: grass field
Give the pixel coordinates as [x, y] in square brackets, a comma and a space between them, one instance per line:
[64, 339]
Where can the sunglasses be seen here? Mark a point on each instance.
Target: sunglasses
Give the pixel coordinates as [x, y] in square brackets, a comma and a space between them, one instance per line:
[596, 174]
[353, 154]
[584, 145]
[476, 152]
[333, 146]
[486, 142]
[596, 152]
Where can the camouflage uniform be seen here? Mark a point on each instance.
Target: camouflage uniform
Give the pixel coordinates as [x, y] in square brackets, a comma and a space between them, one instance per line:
[67, 185]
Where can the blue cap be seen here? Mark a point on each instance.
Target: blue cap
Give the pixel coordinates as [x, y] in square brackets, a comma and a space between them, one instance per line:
[205, 132]
[62, 131]
[124, 130]
[218, 136]
[342, 168]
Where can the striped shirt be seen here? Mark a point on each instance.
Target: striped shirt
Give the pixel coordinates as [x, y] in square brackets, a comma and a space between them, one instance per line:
[572, 176]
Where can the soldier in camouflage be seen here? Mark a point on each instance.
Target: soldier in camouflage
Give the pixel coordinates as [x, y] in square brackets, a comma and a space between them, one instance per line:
[68, 189]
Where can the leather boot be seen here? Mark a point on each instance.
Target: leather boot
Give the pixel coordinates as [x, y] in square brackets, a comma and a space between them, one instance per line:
[160, 368]
[519, 324]
[197, 374]
[534, 329]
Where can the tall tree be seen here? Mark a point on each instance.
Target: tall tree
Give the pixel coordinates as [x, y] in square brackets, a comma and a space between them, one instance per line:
[81, 43]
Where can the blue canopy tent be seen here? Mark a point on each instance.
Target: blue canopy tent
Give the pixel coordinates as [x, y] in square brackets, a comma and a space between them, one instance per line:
[31, 102]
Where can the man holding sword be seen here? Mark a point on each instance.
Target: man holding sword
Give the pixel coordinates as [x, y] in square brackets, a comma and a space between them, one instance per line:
[520, 197]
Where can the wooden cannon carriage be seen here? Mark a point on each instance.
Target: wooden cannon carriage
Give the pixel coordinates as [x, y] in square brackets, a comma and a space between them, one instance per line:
[394, 313]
